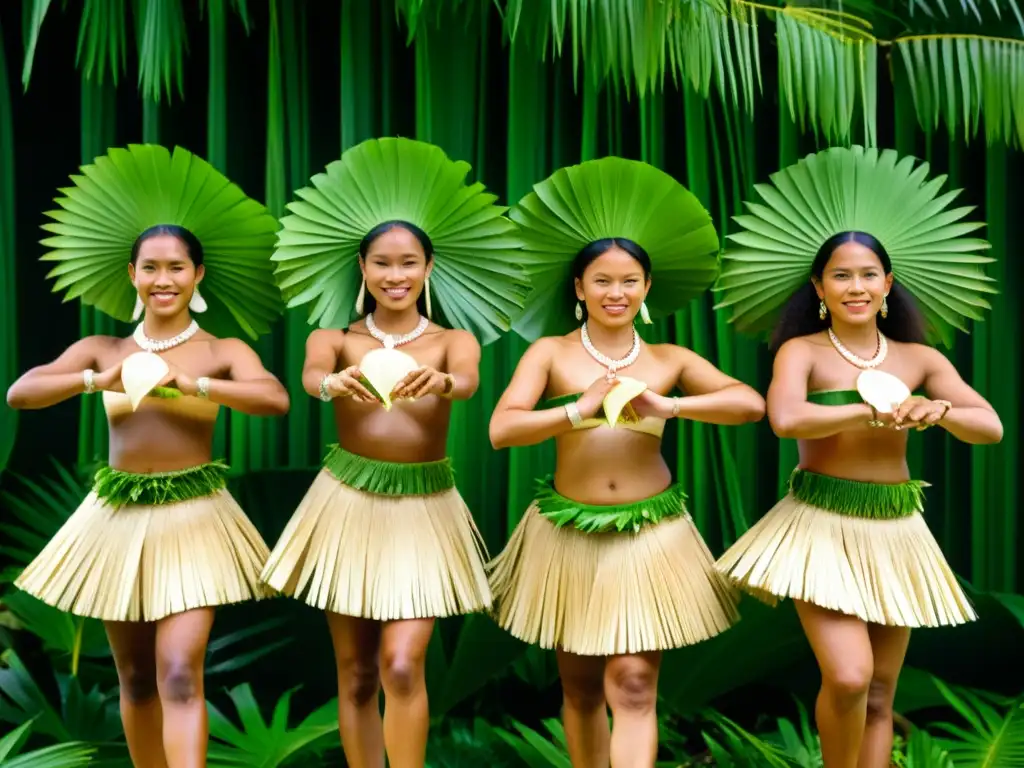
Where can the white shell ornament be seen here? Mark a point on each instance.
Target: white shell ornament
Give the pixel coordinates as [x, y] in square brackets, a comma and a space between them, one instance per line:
[619, 397]
[882, 391]
[141, 372]
[382, 369]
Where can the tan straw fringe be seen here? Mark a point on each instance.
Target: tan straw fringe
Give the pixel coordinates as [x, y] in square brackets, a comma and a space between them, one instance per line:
[381, 557]
[888, 572]
[603, 594]
[144, 563]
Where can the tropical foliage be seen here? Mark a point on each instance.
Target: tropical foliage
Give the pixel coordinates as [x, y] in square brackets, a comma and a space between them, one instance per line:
[718, 93]
[59, 694]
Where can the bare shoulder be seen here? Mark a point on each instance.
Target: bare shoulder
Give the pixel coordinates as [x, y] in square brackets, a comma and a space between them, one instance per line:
[923, 354]
[459, 337]
[799, 348]
[672, 353]
[326, 337]
[230, 348]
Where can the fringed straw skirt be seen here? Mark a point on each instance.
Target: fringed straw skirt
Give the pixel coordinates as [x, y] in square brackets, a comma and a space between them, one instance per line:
[862, 549]
[384, 541]
[142, 547]
[608, 580]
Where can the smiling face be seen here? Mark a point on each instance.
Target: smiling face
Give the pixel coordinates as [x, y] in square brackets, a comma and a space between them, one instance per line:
[853, 284]
[164, 275]
[613, 287]
[395, 269]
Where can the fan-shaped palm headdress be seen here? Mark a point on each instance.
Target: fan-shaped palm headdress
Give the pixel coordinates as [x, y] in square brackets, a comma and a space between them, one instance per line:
[856, 189]
[127, 191]
[611, 198]
[476, 283]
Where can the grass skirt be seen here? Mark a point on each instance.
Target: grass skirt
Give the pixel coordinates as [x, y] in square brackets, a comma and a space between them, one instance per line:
[625, 586]
[144, 547]
[862, 549]
[383, 541]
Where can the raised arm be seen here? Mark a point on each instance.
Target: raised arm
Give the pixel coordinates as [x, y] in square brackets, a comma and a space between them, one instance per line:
[463, 365]
[714, 397]
[55, 382]
[954, 405]
[514, 422]
[789, 413]
[250, 388]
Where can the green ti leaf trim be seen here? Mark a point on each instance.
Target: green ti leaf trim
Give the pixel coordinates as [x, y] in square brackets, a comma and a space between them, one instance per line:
[389, 478]
[854, 498]
[119, 488]
[592, 518]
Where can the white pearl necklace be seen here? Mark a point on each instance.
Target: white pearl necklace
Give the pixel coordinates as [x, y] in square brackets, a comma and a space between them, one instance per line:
[603, 359]
[160, 345]
[391, 341]
[860, 362]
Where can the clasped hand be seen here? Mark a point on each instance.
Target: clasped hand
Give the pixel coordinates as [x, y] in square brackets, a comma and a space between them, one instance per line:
[647, 403]
[915, 412]
[109, 380]
[419, 383]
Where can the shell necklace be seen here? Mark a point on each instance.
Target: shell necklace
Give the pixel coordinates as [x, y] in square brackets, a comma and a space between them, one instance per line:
[160, 345]
[391, 341]
[860, 362]
[603, 359]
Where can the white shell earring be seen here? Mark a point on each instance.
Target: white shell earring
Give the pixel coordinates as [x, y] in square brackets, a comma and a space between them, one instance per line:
[197, 303]
[139, 307]
[426, 290]
[361, 297]
[645, 315]
[579, 311]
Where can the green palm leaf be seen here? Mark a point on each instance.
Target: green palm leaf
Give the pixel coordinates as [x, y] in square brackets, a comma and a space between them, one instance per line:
[611, 197]
[128, 190]
[263, 744]
[476, 283]
[962, 79]
[839, 190]
[995, 733]
[827, 67]
[68, 755]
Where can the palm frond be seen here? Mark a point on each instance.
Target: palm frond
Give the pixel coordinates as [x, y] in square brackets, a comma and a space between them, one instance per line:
[965, 79]
[706, 45]
[102, 40]
[827, 64]
[34, 12]
[932, 9]
[160, 36]
[994, 734]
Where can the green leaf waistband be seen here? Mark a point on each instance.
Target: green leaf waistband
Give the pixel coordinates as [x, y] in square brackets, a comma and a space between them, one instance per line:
[119, 488]
[594, 518]
[389, 478]
[855, 498]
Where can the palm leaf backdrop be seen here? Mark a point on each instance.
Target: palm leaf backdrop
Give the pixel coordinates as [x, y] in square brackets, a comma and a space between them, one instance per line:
[717, 93]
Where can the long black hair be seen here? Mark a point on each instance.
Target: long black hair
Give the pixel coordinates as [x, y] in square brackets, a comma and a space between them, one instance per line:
[904, 321]
[193, 247]
[370, 303]
[589, 253]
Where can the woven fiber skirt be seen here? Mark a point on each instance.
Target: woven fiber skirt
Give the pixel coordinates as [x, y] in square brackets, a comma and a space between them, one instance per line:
[382, 540]
[608, 580]
[858, 548]
[142, 547]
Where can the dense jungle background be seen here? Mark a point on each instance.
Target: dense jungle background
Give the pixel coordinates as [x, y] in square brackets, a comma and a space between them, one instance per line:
[718, 92]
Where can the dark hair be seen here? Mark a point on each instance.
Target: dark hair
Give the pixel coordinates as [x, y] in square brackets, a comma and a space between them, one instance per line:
[800, 315]
[192, 245]
[370, 303]
[589, 253]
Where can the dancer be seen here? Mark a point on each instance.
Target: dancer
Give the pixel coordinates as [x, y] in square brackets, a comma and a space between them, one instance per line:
[159, 541]
[849, 543]
[607, 566]
[382, 541]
